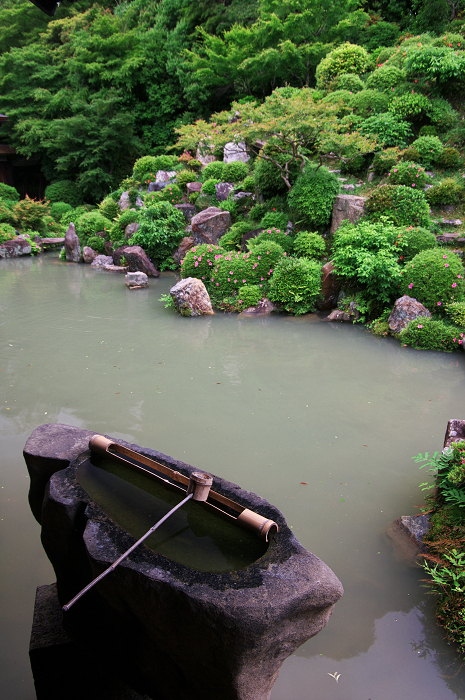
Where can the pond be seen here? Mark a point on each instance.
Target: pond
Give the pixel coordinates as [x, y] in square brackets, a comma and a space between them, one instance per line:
[321, 419]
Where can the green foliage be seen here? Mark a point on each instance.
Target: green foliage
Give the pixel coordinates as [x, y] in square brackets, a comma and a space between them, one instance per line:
[213, 171]
[439, 63]
[161, 231]
[91, 223]
[354, 165]
[348, 81]
[185, 176]
[296, 284]
[449, 158]
[9, 193]
[200, 260]
[434, 278]
[108, 208]
[348, 58]
[128, 216]
[366, 257]
[454, 41]
[58, 209]
[442, 116]
[340, 99]
[274, 219]
[403, 205]
[267, 175]
[368, 102]
[170, 193]
[277, 235]
[97, 243]
[208, 186]
[385, 78]
[7, 232]
[428, 130]
[431, 334]
[231, 240]
[6, 211]
[309, 245]
[456, 312]
[153, 164]
[258, 212]
[30, 212]
[408, 173]
[312, 197]
[379, 34]
[430, 149]
[235, 171]
[64, 191]
[73, 215]
[414, 240]
[385, 160]
[449, 191]
[231, 205]
[389, 129]
[248, 296]
[411, 107]
[248, 184]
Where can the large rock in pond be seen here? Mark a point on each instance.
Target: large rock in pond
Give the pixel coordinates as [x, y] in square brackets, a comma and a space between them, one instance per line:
[191, 297]
[265, 307]
[209, 225]
[136, 280]
[406, 309]
[102, 261]
[14, 248]
[347, 207]
[72, 245]
[88, 254]
[136, 260]
[330, 287]
[170, 630]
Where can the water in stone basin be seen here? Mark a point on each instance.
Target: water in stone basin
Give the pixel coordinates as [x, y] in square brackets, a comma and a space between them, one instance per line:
[266, 403]
[192, 535]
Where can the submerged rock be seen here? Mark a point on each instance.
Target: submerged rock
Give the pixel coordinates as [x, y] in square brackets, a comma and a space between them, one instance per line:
[135, 280]
[191, 297]
[263, 308]
[406, 309]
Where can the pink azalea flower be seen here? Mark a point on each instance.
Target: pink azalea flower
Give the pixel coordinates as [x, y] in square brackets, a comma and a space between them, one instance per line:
[446, 265]
[420, 326]
[243, 281]
[439, 303]
[410, 285]
[444, 256]
[455, 284]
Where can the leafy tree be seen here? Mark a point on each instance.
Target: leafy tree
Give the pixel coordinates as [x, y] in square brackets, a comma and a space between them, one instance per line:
[296, 127]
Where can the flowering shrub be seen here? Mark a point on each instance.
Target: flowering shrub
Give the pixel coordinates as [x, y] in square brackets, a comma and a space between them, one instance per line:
[170, 193]
[296, 284]
[7, 232]
[449, 191]
[414, 240]
[409, 174]
[312, 197]
[280, 236]
[456, 312]
[248, 296]
[232, 239]
[385, 160]
[309, 245]
[432, 334]
[160, 232]
[434, 278]
[405, 206]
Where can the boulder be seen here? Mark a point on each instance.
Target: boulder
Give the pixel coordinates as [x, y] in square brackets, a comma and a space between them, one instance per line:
[136, 259]
[108, 245]
[72, 245]
[348, 187]
[165, 175]
[338, 315]
[191, 297]
[347, 206]
[15, 247]
[115, 268]
[135, 280]
[223, 190]
[88, 254]
[124, 202]
[186, 244]
[156, 186]
[101, 260]
[193, 187]
[188, 211]
[235, 151]
[130, 230]
[248, 236]
[330, 287]
[203, 156]
[209, 225]
[406, 309]
[263, 308]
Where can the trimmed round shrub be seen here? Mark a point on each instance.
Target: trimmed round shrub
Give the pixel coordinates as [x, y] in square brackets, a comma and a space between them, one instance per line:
[339, 97]
[434, 278]
[161, 230]
[347, 58]
[431, 334]
[385, 160]
[58, 209]
[8, 192]
[442, 115]
[430, 149]
[213, 170]
[6, 211]
[64, 191]
[199, 261]
[385, 78]
[150, 164]
[258, 212]
[414, 240]
[7, 232]
[449, 191]
[449, 158]
[208, 186]
[405, 206]
[248, 296]
[296, 284]
[74, 214]
[235, 171]
[90, 224]
[281, 236]
[274, 219]
[194, 164]
[411, 107]
[451, 40]
[97, 243]
[389, 128]
[109, 208]
[248, 184]
[456, 312]
[348, 81]
[185, 176]
[312, 197]
[368, 102]
[309, 245]
[409, 174]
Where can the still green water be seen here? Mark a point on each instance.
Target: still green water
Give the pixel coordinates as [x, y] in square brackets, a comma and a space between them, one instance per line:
[320, 419]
